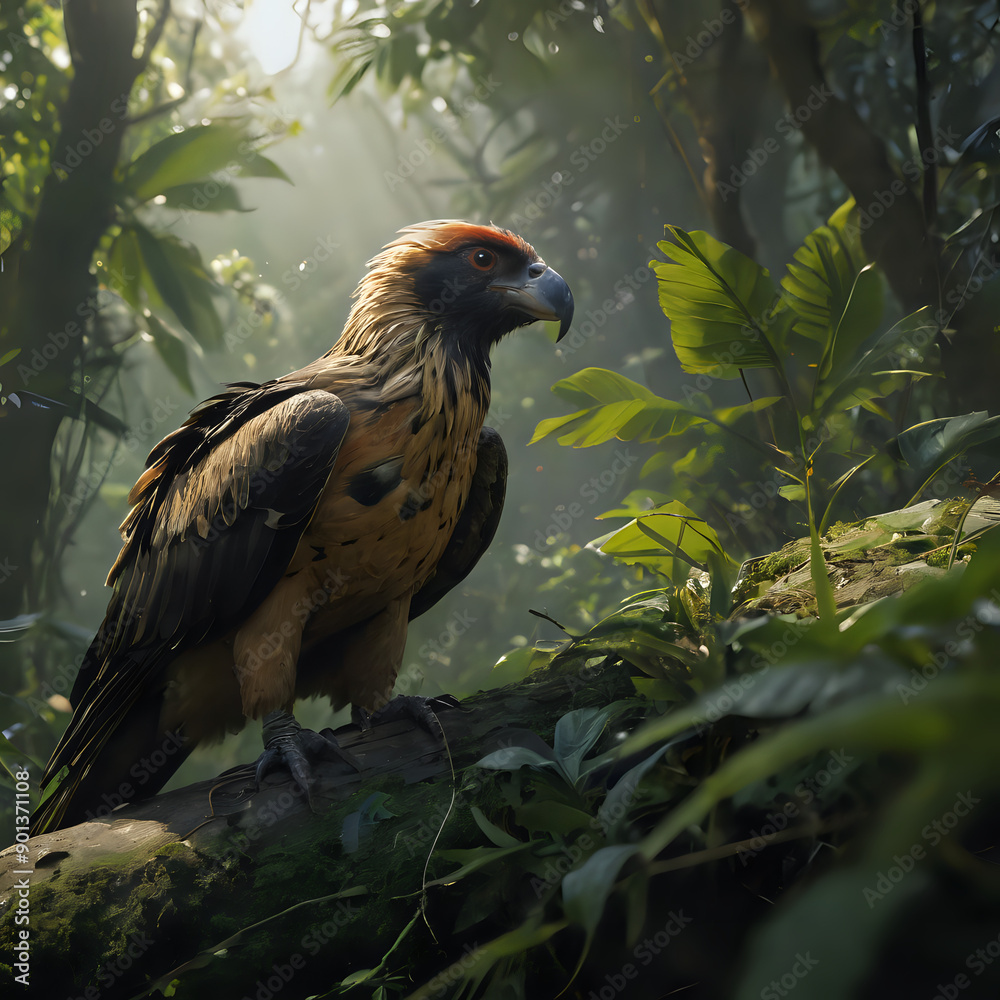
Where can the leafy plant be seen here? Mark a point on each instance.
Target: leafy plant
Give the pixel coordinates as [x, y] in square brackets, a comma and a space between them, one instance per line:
[818, 336]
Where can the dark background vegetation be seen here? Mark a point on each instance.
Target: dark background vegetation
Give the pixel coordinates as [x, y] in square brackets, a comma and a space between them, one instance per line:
[587, 128]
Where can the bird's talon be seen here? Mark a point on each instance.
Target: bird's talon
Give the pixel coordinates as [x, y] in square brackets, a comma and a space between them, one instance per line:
[287, 744]
[423, 711]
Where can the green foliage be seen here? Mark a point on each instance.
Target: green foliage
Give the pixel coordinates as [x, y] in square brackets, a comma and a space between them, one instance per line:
[37, 61]
[819, 336]
[186, 159]
[819, 724]
[681, 541]
[719, 303]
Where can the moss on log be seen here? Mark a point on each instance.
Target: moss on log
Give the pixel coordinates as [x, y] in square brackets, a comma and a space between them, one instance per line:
[219, 887]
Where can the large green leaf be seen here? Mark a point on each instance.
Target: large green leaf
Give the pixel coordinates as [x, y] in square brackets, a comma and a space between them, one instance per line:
[628, 411]
[201, 198]
[124, 270]
[719, 303]
[624, 409]
[627, 420]
[933, 443]
[669, 540]
[190, 156]
[821, 279]
[172, 350]
[600, 385]
[174, 271]
[728, 415]
[576, 732]
[586, 889]
[852, 325]
[615, 806]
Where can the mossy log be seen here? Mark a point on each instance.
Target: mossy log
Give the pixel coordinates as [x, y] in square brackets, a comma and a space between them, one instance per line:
[219, 887]
[876, 557]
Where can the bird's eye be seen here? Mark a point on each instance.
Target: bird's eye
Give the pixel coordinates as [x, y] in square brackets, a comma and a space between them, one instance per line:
[482, 259]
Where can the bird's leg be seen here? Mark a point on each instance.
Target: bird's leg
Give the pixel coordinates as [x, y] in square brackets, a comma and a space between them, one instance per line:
[423, 711]
[287, 744]
[361, 717]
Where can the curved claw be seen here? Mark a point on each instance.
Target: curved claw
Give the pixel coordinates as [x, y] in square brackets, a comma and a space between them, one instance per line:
[423, 711]
[287, 744]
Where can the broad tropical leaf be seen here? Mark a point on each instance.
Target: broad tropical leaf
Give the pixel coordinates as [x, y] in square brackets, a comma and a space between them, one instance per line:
[669, 540]
[624, 409]
[719, 303]
[193, 155]
[173, 270]
[933, 443]
[821, 280]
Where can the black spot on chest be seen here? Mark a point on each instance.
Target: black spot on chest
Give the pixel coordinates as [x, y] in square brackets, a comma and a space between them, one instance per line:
[373, 484]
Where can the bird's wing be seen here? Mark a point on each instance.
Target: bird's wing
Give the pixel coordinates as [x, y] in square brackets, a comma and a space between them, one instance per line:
[476, 525]
[217, 515]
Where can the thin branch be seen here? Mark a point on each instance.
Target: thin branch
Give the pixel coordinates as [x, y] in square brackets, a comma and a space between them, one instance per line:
[155, 34]
[162, 109]
[924, 135]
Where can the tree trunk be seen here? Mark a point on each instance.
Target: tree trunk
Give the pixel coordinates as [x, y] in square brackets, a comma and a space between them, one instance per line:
[49, 306]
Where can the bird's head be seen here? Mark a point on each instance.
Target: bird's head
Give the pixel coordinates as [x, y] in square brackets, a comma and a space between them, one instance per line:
[472, 284]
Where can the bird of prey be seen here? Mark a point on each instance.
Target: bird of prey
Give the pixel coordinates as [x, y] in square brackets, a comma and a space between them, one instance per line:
[282, 538]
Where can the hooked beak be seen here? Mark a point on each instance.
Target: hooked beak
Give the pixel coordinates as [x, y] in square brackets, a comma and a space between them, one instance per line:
[544, 295]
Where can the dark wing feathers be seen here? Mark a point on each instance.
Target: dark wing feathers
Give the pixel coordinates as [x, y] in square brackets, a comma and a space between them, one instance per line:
[211, 534]
[217, 516]
[477, 524]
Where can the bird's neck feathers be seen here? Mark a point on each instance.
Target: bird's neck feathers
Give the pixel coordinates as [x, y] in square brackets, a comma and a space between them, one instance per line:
[408, 349]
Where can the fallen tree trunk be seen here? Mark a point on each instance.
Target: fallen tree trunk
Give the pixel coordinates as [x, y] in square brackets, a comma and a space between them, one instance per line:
[218, 886]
